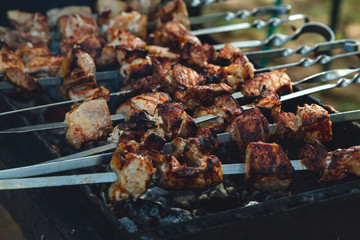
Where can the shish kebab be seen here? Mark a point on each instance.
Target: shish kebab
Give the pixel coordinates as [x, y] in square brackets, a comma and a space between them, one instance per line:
[343, 82]
[58, 166]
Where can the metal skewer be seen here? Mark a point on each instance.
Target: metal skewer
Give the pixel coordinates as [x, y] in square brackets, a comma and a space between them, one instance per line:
[60, 165]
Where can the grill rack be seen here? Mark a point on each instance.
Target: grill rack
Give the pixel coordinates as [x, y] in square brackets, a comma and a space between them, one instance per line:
[77, 222]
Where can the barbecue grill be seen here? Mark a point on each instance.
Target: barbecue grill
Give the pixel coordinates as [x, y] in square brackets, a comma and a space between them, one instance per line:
[309, 209]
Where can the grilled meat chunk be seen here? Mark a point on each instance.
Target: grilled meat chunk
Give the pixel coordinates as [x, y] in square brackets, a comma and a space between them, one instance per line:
[250, 126]
[228, 54]
[22, 80]
[134, 22]
[134, 173]
[225, 106]
[8, 59]
[55, 13]
[197, 55]
[146, 84]
[175, 121]
[135, 69]
[92, 43]
[267, 167]
[76, 26]
[268, 102]
[204, 95]
[30, 50]
[35, 25]
[148, 7]
[143, 102]
[276, 80]
[78, 70]
[287, 127]
[315, 123]
[100, 92]
[203, 173]
[175, 9]
[313, 156]
[343, 162]
[44, 66]
[161, 52]
[88, 121]
[106, 9]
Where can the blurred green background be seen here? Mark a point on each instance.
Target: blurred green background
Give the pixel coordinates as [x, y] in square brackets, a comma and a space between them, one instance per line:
[348, 26]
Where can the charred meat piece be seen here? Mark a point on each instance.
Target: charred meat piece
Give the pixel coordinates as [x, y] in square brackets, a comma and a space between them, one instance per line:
[197, 55]
[343, 162]
[287, 127]
[225, 106]
[313, 156]
[172, 34]
[35, 25]
[78, 70]
[175, 121]
[135, 69]
[202, 174]
[122, 39]
[148, 7]
[175, 9]
[268, 102]
[204, 95]
[276, 80]
[315, 123]
[250, 126]
[100, 92]
[134, 22]
[88, 121]
[161, 52]
[76, 26]
[44, 66]
[228, 54]
[134, 173]
[268, 169]
[14, 38]
[106, 9]
[22, 80]
[31, 50]
[92, 43]
[143, 102]
[238, 73]
[55, 13]
[146, 84]
[8, 59]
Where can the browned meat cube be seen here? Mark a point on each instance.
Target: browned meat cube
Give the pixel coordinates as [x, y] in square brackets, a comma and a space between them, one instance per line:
[148, 7]
[134, 173]
[237, 73]
[21, 79]
[203, 95]
[276, 80]
[313, 157]
[135, 69]
[202, 174]
[146, 84]
[144, 102]
[175, 121]
[228, 54]
[197, 55]
[88, 121]
[44, 66]
[268, 102]
[175, 9]
[55, 13]
[268, 169]
[106, 9]
[315, 123]
[161, 52]
[35, 25]
[287, 127]
[92, 43]
[30, 50]
[343, 162]
[134, 22]
[225, 106]
[76, 25]
[8, 59]
[100, 92]
[250, 126]
[78, 70]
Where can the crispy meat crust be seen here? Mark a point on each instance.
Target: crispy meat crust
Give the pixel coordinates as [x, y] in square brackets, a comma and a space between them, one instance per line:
[344, 162]
[175, 9]
[22, 80]
[134, 22]
[287, 127]
[134, 173]
[250, 126]
[88, 121]
[100, 92]
[313, 156]
[267, 167]
[8, 59]
[76, 25]
[44, 66]
[276, 80]
[30, 50]
[268, 102]
[92, 43]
